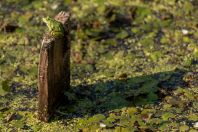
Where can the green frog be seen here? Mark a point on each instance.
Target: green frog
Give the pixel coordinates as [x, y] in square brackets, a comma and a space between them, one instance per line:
[55, 28]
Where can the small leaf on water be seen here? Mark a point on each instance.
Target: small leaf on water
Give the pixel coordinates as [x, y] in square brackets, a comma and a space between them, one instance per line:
[123, 34]
[193, 117]
[184, 128]
[131, 111]
[18, 123]
[142, 13]
[167, 115]
[172, 100]
[5, 86]
[156, 55]
[97, 118]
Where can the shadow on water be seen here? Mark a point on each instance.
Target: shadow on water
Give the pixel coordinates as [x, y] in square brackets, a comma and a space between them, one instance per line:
[115, 94]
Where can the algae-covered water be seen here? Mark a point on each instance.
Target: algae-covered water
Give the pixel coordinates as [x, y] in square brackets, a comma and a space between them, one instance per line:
[134, 65]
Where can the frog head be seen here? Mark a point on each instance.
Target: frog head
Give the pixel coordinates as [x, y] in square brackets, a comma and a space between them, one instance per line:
[48, 21]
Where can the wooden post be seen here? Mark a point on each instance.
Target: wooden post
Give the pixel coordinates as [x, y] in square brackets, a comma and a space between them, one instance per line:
[54, 70]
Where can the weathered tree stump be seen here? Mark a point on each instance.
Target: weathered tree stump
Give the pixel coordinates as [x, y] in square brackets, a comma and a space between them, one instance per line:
[54, 70]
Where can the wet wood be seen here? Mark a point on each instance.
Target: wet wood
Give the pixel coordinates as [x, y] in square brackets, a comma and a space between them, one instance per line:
[54, 70]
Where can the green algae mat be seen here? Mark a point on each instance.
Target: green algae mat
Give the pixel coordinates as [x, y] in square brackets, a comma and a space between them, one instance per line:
[134, 65]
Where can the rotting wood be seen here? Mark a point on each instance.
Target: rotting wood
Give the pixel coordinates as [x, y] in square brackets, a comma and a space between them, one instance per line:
[54, 70]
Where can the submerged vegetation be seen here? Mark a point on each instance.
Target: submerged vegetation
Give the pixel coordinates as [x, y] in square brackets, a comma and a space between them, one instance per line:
[134, 65]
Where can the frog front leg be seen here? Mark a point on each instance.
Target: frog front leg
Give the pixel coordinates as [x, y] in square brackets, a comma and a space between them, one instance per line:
[56, 33]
